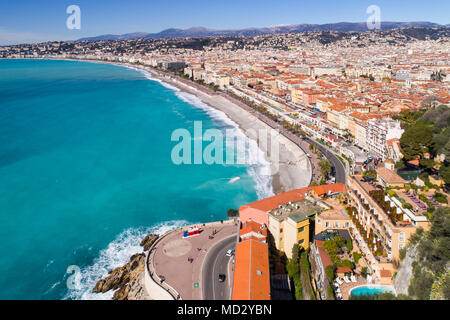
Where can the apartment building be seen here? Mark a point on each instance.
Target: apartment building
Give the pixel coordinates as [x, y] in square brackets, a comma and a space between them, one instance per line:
[389, 178]
[333, 218]
[171, 64]
[288, 215]
[378, 132]
[381, 222]
[290, 224]
[335, 113]
[394, 149]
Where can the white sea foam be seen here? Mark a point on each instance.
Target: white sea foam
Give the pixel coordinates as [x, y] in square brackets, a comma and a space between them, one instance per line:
[149, 76]
[259, 167]
[233, 180]
[127, 243]
[115, 255]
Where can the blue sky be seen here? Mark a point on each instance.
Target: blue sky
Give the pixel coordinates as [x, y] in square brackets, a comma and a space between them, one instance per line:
[42, 20]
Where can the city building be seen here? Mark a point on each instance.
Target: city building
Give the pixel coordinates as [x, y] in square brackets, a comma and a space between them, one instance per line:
[333, 218]
[382, 225]
[251, 279]
[379, 132]
[288, 214]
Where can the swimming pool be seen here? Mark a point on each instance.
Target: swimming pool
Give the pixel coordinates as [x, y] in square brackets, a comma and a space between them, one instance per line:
[371, 289]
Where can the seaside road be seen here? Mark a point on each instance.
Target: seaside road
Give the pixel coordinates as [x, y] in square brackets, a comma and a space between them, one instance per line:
[335, 162]
[216, 262]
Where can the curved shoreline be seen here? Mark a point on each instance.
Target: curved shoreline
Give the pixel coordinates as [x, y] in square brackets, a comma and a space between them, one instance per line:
[283, 180]
[293, 169]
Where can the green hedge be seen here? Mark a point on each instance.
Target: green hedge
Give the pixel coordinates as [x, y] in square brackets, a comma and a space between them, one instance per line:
[298, 287]
[356, 256]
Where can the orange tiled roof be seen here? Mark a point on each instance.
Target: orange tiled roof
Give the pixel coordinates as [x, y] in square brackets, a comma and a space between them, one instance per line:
[251, 271]
[385, 274]
[389, 176]
[253, 226]
[390, 142]
[326, 260]
[294, 195]
[343, 270]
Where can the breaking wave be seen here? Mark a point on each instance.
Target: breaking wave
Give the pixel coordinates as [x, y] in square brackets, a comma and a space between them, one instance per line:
[258, 167]
[115, 255]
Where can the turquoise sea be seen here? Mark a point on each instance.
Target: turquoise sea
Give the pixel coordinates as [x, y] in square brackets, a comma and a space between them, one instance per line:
[86, 172]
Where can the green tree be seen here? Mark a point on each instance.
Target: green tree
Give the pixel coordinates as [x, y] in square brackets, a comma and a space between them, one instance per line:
[298, 287]
[304, 263]
[442, 142]
[349, 245]
[325, 167]
[446, 148]
[364, 271]
[417, 140]
[445, 174]
[347, 263]
[440, 116]
[331, 247]
[295, 253]
[421, 283]
[408, 117]
[433, 256]
[442, 198]
[330, 293]
[330, 272]
[356, 256]
[232, 213]
[292, 268]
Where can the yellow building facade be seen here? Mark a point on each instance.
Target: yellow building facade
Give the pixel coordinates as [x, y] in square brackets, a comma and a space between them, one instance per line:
[289, 231]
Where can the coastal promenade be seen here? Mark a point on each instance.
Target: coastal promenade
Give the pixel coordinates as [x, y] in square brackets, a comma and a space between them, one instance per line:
[300, 142]
[296, 169]
[174, 264]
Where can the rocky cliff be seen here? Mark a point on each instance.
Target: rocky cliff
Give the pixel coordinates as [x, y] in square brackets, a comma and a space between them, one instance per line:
[405, 272]
[128, 280]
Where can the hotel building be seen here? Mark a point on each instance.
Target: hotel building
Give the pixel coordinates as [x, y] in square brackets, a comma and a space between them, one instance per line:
[381, 224]
[288, 214]
[379, 131]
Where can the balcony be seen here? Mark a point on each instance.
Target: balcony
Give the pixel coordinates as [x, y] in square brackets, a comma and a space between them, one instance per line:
[373, 236]
[385, 205]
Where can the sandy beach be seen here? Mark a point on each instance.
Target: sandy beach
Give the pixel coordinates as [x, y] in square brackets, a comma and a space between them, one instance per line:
[292, 169]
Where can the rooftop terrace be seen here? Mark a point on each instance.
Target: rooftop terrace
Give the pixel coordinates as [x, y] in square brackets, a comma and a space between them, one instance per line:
[297, 211]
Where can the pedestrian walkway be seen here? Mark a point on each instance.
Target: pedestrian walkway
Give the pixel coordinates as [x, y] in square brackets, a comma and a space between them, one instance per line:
[174, 263]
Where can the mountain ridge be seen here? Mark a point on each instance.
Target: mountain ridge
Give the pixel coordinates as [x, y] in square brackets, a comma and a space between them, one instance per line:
[196, 32]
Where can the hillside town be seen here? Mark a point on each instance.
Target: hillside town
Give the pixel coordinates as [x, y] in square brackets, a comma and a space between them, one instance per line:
[340, 88]
[378, 101]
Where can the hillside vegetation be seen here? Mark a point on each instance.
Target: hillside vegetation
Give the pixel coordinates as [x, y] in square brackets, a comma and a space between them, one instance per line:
[428, 132]
[431, 270]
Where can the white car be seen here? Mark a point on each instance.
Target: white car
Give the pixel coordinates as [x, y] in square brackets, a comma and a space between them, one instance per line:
[229, 253]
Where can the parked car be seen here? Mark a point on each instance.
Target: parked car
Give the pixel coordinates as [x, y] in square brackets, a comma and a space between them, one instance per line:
[229, 253]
